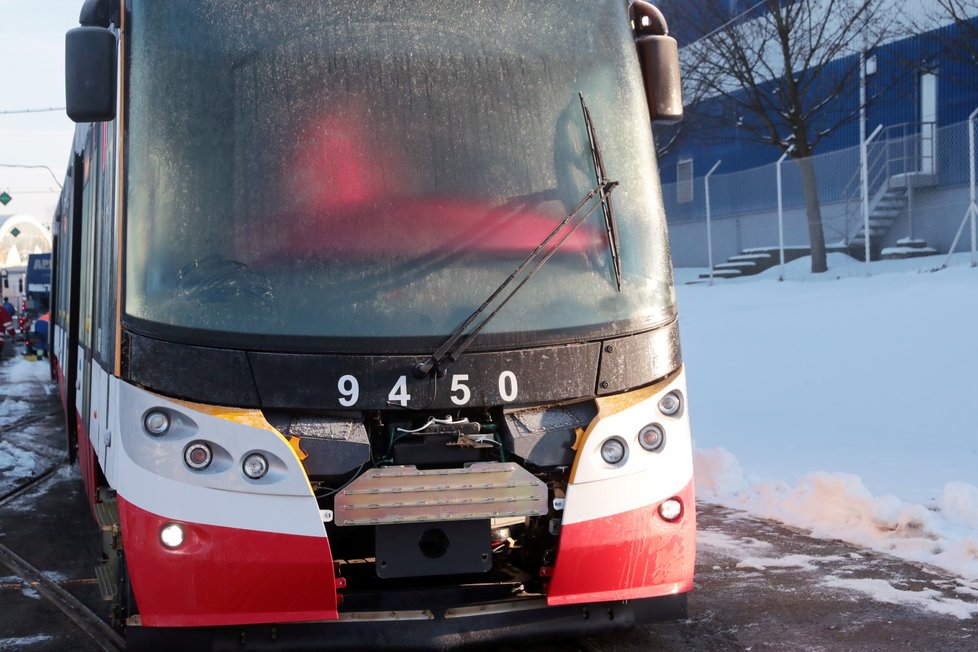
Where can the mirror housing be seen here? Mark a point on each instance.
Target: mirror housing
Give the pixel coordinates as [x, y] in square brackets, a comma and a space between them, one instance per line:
[90, 74]
[658, 54]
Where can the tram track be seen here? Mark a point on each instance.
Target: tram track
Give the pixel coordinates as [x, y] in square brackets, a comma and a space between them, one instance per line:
[26, 421]
[14, 492]
[80, 615]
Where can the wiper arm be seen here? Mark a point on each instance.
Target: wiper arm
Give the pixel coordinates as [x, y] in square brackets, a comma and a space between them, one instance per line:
[458, 341]
[610, 224]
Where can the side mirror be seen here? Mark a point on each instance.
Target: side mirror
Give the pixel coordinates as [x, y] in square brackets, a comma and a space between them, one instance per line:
[658, 54]
[90, 74]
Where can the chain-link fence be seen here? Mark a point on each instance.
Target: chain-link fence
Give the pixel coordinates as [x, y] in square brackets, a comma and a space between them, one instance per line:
[918, 202]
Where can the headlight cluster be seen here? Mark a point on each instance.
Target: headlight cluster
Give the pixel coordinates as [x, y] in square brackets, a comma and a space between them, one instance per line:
[199, 454]
[651, 437]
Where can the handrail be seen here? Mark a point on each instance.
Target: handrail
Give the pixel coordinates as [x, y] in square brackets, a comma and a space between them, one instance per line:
[852, 192]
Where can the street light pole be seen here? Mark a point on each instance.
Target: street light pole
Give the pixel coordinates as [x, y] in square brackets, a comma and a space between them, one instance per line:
[34, 167]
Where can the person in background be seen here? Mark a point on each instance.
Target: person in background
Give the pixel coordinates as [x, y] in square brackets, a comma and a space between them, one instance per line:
[39, 338]
[6, 326]
[9, 307]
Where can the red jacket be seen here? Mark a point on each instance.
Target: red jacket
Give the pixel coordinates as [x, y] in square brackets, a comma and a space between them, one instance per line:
[6, 322]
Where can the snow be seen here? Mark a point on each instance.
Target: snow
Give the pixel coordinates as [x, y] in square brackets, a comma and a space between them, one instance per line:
[883, 591]
[21, 458]
[26, 642]
[842, 404]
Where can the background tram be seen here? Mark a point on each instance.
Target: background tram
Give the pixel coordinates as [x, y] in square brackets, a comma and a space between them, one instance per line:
[364, 319]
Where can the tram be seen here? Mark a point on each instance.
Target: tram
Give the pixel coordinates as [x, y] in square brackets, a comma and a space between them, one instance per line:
[364, 320]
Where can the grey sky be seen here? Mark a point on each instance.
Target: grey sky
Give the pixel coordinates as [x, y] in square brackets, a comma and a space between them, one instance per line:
[32, 76]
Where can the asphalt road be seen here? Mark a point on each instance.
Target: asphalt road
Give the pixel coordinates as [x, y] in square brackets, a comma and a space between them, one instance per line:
[759, 585]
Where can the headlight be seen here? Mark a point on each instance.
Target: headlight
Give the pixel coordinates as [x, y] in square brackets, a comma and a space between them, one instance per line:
[198, 456]
[255, 466]
[156, 422]
[671, 509]
[670, 404]
[171, 535]
[652, 437]
[613, 450]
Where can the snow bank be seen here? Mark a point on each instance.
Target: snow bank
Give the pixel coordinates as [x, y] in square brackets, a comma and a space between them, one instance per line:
[842, 404]
[838, 506]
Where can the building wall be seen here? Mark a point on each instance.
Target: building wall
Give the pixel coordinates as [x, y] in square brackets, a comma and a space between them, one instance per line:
[894, 99]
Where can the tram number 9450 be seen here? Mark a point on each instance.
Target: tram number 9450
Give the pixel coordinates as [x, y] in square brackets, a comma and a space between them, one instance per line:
[460, 393]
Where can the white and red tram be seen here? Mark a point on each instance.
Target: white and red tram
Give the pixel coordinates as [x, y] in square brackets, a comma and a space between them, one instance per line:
[322, 387]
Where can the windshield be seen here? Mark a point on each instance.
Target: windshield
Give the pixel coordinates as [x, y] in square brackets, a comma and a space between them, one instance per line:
[363, 169]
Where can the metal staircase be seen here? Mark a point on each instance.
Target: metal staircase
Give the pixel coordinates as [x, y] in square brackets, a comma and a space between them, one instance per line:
[896, 164]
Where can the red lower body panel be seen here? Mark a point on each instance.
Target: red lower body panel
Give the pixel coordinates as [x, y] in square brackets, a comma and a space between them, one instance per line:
[222, 575]
[626, 556]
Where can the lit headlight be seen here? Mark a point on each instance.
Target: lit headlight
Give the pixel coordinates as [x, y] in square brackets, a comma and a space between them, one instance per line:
[198, 456]
[670, 404]
[613, 450]
[156, 422]
[171, 535]
[255, 466]
[671, 509]
[652, 437]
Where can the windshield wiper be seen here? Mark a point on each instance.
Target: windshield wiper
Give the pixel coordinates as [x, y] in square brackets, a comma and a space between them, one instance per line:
[601, 178]
[459, 340]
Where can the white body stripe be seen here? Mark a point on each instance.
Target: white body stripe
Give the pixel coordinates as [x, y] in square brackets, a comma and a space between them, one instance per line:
[151, 474]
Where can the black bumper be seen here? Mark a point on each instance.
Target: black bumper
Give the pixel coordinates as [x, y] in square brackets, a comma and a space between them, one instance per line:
[534, 622]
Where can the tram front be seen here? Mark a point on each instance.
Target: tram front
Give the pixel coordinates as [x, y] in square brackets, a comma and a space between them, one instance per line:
[398, 323]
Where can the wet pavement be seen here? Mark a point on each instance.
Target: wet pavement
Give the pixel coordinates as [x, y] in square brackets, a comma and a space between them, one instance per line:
[759, 585]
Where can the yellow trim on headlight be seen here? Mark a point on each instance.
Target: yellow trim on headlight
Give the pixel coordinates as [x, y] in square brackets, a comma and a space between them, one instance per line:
[611, 405]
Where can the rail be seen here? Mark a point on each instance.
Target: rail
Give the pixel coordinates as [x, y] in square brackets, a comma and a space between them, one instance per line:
[85, 619]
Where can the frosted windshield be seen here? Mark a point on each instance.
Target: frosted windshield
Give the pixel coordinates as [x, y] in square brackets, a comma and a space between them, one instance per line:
[375, 169]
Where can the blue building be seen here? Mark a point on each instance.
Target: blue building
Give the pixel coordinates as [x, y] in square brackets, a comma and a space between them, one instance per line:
[919, 91]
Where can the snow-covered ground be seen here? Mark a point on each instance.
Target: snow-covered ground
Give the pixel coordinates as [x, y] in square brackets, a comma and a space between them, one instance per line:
[843, 404]
[21, 456]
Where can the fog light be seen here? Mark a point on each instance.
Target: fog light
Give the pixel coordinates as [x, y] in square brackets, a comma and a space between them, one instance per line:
[197, 456]
[652, 437]
[255, 466]
[171, 535]
[670, 404]
[613, 450]
[156, 422]
[671, 509]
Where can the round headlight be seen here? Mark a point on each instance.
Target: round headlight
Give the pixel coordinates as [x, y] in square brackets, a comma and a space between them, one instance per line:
[652, 437]
[171, 535]
[670, 404]
[156, 422]
[613, 450]
[197, 455]
[671, 509]
[255, 466]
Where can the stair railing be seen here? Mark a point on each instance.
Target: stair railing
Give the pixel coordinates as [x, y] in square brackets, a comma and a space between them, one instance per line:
[876, 165]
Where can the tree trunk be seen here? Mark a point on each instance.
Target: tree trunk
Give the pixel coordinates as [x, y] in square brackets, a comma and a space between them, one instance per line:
[816, 237]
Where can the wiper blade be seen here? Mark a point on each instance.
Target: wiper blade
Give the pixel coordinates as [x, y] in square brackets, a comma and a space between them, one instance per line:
[607, 207]
[460, 339]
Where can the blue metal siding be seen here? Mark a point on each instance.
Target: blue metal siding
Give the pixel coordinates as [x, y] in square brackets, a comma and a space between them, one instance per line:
[894, 99]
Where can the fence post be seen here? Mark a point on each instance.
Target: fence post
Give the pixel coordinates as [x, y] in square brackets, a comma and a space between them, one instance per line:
[972, 206]
[781, 211]
[709, 232]
[864, 182]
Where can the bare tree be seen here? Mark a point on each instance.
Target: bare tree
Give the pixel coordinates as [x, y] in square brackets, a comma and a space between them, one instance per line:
[787, 72]
[960, 43]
